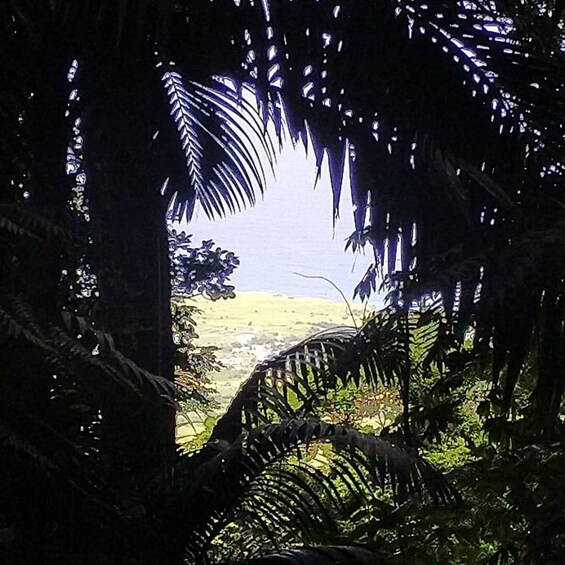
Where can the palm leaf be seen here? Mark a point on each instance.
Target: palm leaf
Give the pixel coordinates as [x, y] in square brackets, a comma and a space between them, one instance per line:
[290, 384]
[226, 479]
[80, 345]
[224, 144]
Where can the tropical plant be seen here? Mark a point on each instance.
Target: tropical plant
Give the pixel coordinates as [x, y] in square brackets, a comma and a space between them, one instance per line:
[507, 478]
[63, 495]
[450, 114]
[474, 155]
[63, 382]
[194, 365]
[196, 271]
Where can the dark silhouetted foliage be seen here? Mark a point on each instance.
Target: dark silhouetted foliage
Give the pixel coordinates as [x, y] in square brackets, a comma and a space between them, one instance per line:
[203, 270]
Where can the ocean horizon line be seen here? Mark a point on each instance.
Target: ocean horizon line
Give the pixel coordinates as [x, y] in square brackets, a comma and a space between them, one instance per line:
[337, 299]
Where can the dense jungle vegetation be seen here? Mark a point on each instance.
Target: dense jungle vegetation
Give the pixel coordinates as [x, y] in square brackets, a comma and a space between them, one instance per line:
[115, 116]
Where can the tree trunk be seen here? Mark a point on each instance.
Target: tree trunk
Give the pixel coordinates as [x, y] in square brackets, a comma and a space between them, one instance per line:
[125, 107]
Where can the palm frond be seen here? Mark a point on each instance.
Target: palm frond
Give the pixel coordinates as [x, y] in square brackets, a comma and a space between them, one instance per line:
[227, 478]
[290, 384]
[406, 473]
[224, 143]
[513, 293]
[79, 344]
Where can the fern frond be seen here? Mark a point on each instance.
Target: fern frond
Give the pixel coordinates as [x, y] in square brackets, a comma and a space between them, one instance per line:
[223, 477]
[182, 113]
[292, 383]
[82, 345]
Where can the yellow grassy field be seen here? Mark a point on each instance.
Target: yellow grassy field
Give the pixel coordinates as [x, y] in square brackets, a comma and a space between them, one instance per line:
[222, 322]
